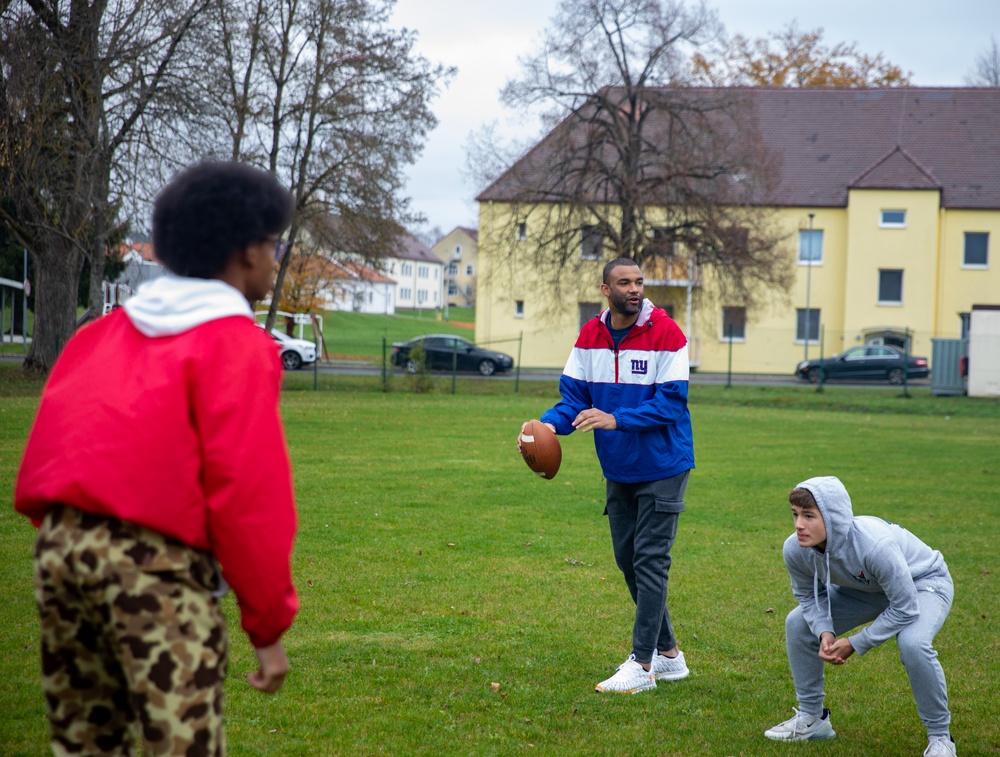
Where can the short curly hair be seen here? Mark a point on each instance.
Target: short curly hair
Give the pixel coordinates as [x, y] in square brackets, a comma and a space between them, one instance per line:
[212, 210]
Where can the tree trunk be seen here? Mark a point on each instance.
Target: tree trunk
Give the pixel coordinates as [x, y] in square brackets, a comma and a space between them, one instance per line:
[56, 281]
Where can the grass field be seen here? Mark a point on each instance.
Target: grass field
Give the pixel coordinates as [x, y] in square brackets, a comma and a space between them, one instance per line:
[455, 604]
[360, 336]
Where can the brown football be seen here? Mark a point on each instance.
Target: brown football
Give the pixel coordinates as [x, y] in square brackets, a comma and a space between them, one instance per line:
[540, 449]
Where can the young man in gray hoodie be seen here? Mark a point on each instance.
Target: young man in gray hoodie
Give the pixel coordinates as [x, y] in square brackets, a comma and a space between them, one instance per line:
[847, 571]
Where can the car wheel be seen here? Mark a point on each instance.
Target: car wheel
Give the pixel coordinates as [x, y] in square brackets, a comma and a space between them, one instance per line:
[813, 375]
[487, 367]
[411, 366]
[291, 360]
[896, 376]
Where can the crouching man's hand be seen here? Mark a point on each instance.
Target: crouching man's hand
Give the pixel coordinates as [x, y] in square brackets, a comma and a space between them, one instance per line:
[833, 650]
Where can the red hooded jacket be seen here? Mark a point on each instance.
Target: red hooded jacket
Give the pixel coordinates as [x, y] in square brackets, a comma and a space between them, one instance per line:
[166, 414]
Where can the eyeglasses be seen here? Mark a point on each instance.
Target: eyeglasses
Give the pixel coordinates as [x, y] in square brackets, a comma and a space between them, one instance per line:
[280, 250]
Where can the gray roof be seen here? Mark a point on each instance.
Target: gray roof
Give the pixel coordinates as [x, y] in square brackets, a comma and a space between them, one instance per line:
[825, 141]
[411, 248]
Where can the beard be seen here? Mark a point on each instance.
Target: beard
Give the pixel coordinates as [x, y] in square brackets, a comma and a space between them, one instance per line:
[620, 304]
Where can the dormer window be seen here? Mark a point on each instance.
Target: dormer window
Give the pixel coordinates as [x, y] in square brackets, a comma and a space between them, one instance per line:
[893, 219]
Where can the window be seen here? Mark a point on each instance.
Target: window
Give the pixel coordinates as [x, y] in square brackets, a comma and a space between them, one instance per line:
[468, 270]
[407, 269]
[664, 241]
[977, 245]
[421, 296]
[890, 287]
[807, 322]
[591, 243]
[422, 271]
[452, 288]
[458, 252]
[734, 323]
[522, 231]
[519, 308]
[453, 269]
[587, 311]
[893, 219]
[811, 246]
[405, 293]
[737, 242]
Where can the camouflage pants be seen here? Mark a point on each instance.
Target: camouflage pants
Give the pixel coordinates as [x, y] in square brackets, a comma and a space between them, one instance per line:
[133, 642]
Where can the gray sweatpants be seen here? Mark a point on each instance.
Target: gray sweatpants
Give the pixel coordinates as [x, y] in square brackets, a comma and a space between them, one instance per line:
[851, 608]
[643, 520]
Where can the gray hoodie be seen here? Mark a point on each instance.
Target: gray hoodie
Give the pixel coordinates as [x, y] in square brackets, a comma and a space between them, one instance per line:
[863, 553]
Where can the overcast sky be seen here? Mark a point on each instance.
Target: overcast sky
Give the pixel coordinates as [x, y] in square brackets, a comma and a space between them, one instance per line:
[935, 42]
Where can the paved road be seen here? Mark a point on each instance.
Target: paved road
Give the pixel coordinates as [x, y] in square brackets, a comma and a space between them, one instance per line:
[364, 368]
[361, 368]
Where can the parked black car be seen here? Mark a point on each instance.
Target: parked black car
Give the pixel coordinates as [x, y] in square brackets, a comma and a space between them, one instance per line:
[868, 363]
[444, 350]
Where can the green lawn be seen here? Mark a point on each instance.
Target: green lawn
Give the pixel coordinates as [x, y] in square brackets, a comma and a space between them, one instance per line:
[454, 603]
[360, 336]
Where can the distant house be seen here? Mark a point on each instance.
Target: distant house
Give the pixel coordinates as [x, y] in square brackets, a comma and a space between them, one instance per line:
[418, 273]
[459, 251]
[355, 287]
[141, 265]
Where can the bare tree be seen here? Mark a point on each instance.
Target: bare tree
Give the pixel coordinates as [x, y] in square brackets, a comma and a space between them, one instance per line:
[793, 58]
[986, 67]
[638, 164]
[76, 78]
[333, 101]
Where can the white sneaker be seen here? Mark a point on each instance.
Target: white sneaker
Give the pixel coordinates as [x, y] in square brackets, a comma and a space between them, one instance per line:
[803, 728]
[940, 746]
[630, 678]
[669, 668]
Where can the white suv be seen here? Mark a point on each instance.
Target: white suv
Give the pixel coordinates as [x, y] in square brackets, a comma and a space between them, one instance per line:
[294, 352]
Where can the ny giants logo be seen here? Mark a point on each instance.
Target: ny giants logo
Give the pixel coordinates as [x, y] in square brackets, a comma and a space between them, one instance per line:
[640, 367]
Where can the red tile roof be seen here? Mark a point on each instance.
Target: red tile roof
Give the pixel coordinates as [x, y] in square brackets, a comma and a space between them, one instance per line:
[825, 141]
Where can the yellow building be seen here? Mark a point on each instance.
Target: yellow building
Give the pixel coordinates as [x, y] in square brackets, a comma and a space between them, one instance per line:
[888, 202]
[459, 251]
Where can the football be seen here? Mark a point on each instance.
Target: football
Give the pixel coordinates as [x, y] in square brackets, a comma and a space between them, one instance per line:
[540, 449]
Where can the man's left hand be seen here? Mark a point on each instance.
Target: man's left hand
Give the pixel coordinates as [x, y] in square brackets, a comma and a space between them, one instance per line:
[593, 418]
[837, 652]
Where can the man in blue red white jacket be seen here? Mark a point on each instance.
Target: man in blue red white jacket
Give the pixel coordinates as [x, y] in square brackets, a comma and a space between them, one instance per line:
[627, 381]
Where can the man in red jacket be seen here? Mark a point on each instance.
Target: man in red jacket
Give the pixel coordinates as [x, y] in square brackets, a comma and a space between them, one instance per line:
[158, 474]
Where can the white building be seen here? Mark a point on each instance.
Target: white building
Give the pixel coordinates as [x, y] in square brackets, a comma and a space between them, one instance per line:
[359, 289]
[418, 273]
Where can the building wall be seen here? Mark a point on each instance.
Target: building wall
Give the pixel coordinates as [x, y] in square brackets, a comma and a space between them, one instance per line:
[413, 290]
[843, 286]
[462, 250]
[960, 286]
[912, 249]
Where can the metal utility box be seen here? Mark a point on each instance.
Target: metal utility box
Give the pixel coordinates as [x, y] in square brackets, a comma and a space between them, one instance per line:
[948, 358]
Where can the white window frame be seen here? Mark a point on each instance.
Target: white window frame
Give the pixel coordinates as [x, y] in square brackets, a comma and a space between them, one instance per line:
[965, 241]
[814, 319]
[890, 303]
[588, 233]
[883, 224]
[724, 336]
[804, 247]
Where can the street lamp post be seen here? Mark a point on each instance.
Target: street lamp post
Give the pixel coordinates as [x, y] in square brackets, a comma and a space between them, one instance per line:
[809, 262]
